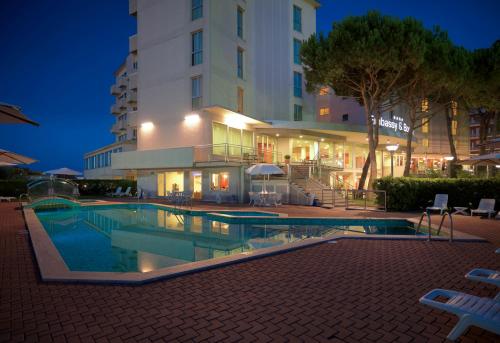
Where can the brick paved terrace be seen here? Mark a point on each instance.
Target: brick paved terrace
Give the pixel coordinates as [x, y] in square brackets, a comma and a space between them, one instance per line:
[352, 291]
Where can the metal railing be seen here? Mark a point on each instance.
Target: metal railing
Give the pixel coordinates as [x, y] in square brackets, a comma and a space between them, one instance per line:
[429, 233]
[234, 153]
[366, 200]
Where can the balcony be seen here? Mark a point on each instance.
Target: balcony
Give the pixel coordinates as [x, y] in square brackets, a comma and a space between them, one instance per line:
[132, 8]
[114, 90]
[229, 153]
[119, 126]
[132, 97]
[132, 44]
[121, 103]
[115, 109]
[122, 82]
[132, 81]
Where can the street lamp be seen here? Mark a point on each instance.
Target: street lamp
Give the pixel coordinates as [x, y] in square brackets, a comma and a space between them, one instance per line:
[392, 149]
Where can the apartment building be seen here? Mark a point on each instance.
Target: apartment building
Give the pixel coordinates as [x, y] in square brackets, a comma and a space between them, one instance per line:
[492, 144]
[97, 163]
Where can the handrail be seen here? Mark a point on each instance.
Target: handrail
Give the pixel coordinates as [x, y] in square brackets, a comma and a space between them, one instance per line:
[446, 213]
[425, 213]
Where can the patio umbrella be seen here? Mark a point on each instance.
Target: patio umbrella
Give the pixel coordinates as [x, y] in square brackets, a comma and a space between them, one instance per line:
[264, 169]
[11, 158]
[63, 171]
[482, 160]
[10, 114]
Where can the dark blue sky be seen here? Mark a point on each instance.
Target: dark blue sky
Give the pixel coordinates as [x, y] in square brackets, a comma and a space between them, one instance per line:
[57, 60]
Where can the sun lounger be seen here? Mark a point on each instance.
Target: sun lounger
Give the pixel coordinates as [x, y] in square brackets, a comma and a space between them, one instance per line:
[470, 309]
[486, 206]
[440, 203]
[127, 192]
[116, 193]
[8, 199]
[487, 276]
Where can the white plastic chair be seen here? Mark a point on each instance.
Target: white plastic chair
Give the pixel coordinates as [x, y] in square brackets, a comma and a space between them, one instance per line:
[440, 203]
[470, 309]
[486, 206]
[117, 192]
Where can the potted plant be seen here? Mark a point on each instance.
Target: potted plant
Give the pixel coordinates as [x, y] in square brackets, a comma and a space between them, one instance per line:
[287, 159]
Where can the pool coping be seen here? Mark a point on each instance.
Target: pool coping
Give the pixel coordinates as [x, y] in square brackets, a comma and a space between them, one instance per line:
[53, 268]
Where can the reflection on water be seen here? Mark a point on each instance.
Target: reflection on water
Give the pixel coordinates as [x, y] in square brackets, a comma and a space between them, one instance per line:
[146, 238]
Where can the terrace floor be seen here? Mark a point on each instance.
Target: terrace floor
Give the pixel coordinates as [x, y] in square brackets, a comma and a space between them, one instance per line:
[352, 291]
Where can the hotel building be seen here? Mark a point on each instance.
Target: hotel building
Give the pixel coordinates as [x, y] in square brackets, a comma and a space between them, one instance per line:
[220, 86]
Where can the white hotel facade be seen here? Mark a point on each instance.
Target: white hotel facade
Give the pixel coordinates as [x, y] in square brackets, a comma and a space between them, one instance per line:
[213, 86]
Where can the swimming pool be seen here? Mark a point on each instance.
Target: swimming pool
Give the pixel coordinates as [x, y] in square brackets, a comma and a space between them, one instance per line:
[145, 237]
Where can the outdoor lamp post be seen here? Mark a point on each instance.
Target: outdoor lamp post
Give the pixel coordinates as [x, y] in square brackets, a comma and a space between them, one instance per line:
[448, 160]
[392, 149]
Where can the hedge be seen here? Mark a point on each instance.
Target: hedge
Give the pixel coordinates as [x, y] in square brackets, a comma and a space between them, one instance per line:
[408, 194]
[86, 187]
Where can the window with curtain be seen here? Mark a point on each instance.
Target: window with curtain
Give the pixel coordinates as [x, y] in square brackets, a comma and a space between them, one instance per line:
[234, 141]
[297, 84]
[196, 98]
[196, 48]
[196, 9]
[297, 44]
[297, 18]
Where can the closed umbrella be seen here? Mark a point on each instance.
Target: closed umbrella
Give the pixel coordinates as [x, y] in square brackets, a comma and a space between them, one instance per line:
[264, 169]
[11, 158]
[10, 114]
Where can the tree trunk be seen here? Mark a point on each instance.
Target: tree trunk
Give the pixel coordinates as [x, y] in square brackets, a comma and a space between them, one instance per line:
[453, 151]
[409, 139]
[373, 158]
[364, 173]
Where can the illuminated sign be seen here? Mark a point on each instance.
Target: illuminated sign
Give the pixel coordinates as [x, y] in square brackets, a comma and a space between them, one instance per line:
[397, 125]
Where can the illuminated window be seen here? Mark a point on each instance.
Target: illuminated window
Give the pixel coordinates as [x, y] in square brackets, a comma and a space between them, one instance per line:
[219, 181]
[425, 142]
[324, 111]
[454, 127]
[425, 105]
[454, 108]
[324, 91]
[240, 100]
[425, 125]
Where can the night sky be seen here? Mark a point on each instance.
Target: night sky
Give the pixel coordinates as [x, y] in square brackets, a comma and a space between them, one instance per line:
[57, 60]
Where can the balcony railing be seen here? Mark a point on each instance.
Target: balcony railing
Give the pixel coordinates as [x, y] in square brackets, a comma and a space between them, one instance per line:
[115, 109]
[122, 82]
[132, 83]
[132, 43]
[132, 7]
[115, 90]
[234, 153]
[131, 97]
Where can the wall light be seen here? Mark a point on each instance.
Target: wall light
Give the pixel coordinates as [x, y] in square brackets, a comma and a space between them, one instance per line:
[147, 126]
[192, 119]
[277, 135]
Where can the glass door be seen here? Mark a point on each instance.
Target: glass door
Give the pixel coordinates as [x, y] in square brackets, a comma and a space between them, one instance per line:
[196, 184]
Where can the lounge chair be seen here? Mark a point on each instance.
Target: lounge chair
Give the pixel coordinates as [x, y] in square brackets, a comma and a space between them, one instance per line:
[116, 193]
[485, 275]
[470, 309]
[127, 192]
[440, 203]
[486, 206]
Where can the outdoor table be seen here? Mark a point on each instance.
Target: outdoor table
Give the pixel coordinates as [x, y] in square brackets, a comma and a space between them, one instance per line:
[461, 210]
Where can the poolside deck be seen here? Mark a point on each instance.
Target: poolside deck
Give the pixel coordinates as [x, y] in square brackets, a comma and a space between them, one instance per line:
[352, 291]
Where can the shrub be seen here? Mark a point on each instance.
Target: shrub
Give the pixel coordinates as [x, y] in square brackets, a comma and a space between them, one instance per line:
[12, 188]
[101, 187]
[86, 187]
[407, 194]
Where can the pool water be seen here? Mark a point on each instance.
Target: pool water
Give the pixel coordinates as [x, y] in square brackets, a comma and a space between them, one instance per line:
[142, 237]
